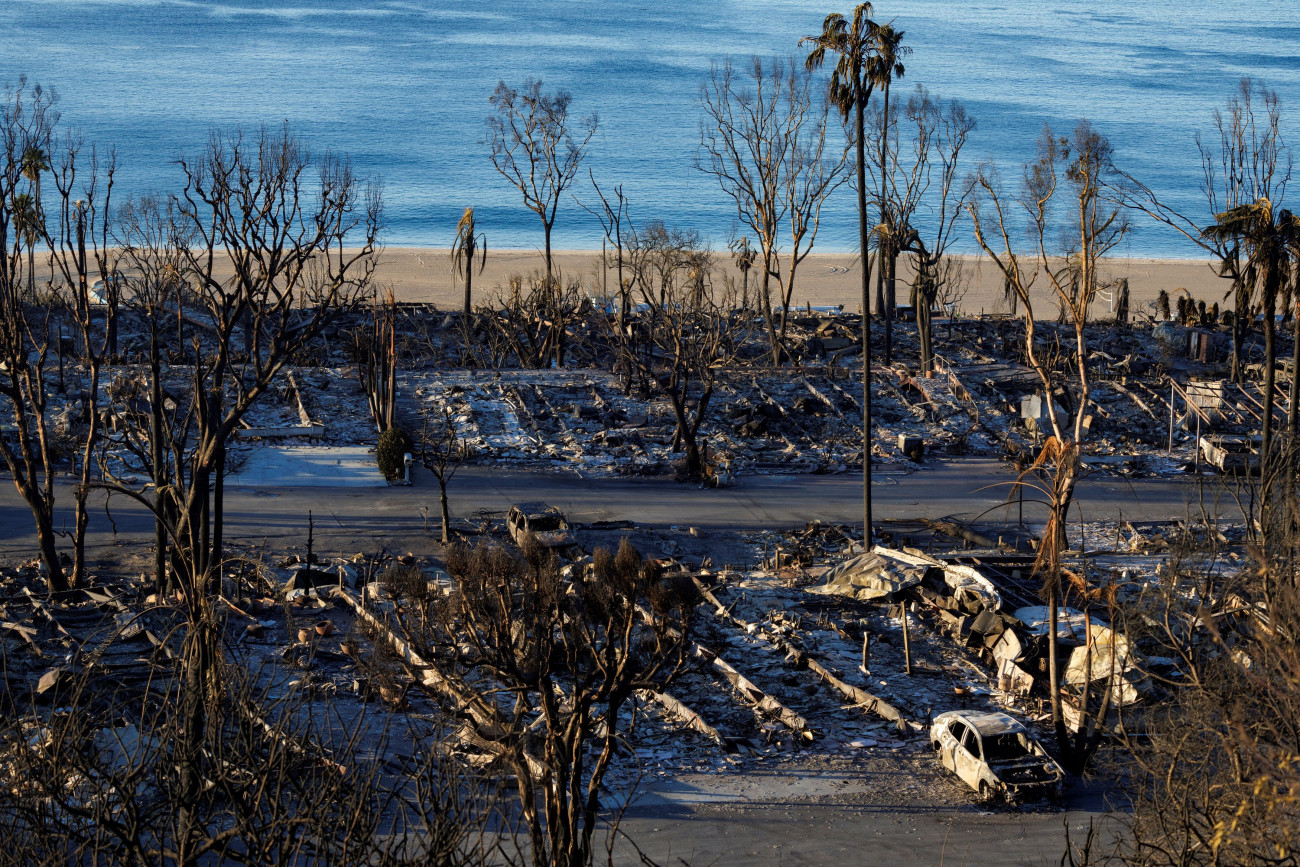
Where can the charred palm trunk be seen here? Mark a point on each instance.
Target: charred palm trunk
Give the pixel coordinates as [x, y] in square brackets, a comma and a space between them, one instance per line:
[469, 280]
[31, 270]
[1240, 328]
[885, 289]
[891, 301]
[859, 105]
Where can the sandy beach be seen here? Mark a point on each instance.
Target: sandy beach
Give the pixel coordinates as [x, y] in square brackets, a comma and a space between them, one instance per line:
[424, 274]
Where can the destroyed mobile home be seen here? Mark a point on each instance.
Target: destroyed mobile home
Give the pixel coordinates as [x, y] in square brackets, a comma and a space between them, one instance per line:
[802, 647]
[771, 671]
[1152, 411]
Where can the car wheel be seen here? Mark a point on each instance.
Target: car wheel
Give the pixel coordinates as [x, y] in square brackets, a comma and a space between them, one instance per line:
[936, 746]
[986, 795]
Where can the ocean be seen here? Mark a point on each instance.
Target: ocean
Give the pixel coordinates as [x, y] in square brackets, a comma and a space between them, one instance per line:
[403, 87]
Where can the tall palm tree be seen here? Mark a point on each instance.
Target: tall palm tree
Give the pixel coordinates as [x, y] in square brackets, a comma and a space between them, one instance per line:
[744, 254]
[884, 65]
[467, 245]
[850, 90]
[25, 224]
[1267, 234]
[34, 161]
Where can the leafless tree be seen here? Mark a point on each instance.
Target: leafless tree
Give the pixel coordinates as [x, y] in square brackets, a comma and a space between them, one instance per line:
[927, 199]
[566, 659]
[263, 205]
[662, 259]
[26, 121]
[442, 451]
[80, 252]
[1249, 162]
[616, 221]
[82, 199]
[764, 139]
[377, 362]
[1078, 168]
[684, 333]
[530, 319]
[538, 149]
[153, 243]
[254, 206]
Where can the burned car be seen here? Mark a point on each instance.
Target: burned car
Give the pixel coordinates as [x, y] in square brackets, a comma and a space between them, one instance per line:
[994, 754]
[545, 523]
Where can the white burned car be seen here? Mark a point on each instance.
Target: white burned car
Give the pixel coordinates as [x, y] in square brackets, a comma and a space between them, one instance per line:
[993, 754]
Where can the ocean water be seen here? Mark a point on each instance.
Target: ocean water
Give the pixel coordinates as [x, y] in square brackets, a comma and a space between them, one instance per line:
[403, 87]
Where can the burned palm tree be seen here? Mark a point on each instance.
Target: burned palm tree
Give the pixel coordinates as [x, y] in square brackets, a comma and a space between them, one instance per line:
[468, 244]
[1267, 235]
[34, 161]
[853, 41]
[884, 65]
[744, 254]
[27, 223]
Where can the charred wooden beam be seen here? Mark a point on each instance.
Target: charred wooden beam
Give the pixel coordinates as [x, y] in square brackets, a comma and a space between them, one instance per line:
[801, 659]
[761, 701]
[956, 531]
[688, 717]
[488, 722]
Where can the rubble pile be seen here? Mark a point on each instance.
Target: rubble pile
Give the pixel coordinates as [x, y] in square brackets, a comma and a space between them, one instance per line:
[804, 645]
[1155, 390]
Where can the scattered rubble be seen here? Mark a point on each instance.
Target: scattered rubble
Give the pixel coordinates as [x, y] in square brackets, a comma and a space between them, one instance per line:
[805, 642]
[1153, 399]
[780, 668]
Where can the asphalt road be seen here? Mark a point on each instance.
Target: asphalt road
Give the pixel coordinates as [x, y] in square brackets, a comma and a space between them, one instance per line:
[973, 490]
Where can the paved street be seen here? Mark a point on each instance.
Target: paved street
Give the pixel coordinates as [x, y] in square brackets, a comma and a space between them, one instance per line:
[966, 489]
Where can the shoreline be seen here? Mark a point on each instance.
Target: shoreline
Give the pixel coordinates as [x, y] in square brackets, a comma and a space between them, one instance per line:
[423, 274]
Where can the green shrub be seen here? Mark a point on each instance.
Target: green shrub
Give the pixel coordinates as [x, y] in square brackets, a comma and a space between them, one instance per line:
[390, 452]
